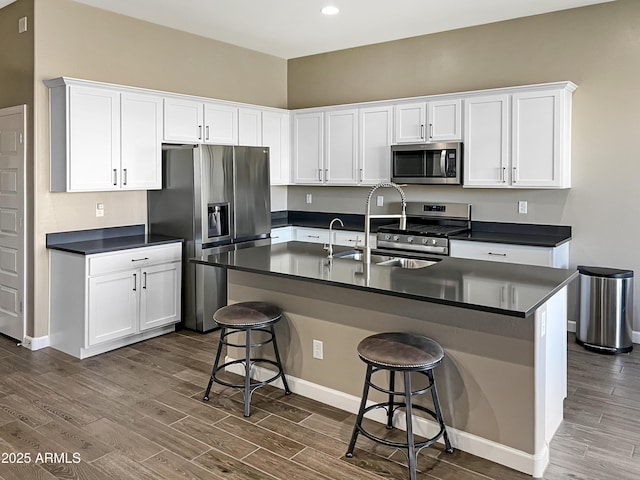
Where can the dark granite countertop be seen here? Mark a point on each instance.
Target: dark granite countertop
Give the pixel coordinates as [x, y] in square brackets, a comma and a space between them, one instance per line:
[101, 240]
[470, 284]
[495, 232]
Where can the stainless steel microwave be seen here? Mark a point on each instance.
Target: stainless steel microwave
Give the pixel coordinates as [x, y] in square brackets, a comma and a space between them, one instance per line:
[427, 163]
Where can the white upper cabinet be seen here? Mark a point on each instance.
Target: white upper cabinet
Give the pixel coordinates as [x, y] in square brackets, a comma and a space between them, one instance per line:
[103, 138]
[540, 149]
[411, 119]
[341, 146]
[191, 121]
[426, 122]
[519, 140]
[93, 161]
[308, 148]
[444, 120]
[486, 141]
[141, 137]
[276, 136]
[183, 120]
[376, 137]
[250, 127]
[220, 124]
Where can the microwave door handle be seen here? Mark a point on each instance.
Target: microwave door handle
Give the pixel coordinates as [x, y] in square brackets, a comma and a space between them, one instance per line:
[443, 162]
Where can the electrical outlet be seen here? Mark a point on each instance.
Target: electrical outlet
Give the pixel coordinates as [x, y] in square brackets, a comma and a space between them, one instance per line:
[380, 201]
[99, 209]
[309, 198]
[522, 206]
[317, 349]
[22, 24]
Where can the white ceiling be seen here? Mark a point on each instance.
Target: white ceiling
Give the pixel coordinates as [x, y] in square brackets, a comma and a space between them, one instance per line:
[295, 28]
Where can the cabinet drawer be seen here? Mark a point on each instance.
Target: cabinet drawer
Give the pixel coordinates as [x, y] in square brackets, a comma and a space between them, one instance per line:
[499, 252]
[281, 235]
[133, 258]
[313, 235]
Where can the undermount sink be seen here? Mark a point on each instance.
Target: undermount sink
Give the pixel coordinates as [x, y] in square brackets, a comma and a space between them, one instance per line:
[386, 260]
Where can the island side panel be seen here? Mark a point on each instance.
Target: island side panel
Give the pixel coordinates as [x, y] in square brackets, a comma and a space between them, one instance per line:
[486, 382]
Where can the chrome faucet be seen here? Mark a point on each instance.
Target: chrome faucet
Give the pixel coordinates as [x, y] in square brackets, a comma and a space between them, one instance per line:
[330, 248]
[366, 257]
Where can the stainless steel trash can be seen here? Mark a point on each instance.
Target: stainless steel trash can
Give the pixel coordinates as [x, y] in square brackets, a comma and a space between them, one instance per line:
[606, 309]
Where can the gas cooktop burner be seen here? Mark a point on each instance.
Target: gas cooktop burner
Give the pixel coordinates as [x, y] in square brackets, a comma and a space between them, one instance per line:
[428, 227]
[422, 229]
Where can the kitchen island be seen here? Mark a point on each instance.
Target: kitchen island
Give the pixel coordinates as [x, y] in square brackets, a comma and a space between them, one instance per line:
[502, 326]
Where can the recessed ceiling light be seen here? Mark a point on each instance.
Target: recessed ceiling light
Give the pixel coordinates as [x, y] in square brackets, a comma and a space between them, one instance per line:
[330, 10]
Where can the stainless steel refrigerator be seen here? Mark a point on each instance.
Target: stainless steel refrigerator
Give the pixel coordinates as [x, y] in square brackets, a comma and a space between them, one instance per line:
[217, 199]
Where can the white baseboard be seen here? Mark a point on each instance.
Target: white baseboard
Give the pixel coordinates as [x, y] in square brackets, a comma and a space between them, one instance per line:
[635, 336]
[36, 343]
[533, 465]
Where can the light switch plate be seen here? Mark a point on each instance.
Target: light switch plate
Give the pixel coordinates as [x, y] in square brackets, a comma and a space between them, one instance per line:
[380, 201]
[309, 198]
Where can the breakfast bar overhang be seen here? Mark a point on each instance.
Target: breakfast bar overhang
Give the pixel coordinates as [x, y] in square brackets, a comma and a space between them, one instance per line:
[502, 326]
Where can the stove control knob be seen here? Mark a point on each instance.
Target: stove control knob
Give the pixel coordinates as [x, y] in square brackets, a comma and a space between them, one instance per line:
[396, 238]
[387, 237]
[425, 241]
[434, 242]
[409, 239]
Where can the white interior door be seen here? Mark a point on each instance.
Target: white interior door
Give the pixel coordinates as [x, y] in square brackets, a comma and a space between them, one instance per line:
[12, 206]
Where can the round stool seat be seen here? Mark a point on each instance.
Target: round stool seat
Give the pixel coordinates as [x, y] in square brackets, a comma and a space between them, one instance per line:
[401, 351]
[247, 314]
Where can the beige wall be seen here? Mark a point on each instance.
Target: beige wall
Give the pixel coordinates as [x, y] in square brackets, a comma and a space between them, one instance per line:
[79, 41]
[597, 47]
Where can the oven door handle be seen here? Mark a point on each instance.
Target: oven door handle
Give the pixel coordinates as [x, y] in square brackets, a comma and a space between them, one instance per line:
[443, 162]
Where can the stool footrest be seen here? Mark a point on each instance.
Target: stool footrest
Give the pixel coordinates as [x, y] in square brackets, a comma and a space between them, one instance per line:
[241, 386]
[418, 445]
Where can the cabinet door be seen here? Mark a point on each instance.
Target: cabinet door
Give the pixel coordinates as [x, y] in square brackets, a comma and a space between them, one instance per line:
[94, 139]
[220, 124]
[141, 131]
[376, 133]
[410, 122]
[160, 295]
[341, 147]
[502, 252]
[308, 148]
[112, 306]
[486, 141]
[445, 120]
[183, 121]
[275, 135]
[250, 127]
[536, 138]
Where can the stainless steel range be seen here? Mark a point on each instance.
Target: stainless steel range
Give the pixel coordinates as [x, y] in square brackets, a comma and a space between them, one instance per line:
[429, 226]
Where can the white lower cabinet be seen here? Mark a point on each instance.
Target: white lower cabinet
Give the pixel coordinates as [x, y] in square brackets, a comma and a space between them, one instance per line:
[281, 235]
[104, 301]
[557, 257]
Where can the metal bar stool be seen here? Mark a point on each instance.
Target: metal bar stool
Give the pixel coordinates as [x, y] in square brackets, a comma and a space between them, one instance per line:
[401, 352]
[247, 317]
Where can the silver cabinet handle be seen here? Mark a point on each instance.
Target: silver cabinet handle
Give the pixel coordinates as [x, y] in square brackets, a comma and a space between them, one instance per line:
[115, 176]
[326, 174]
[515, 175]
[498, 254]
[361, 175]
[199, 132]
[144, 280]
[124, 176]
[313, 236]
[206, 132]
[139, 259]
[422, 131]
[135, 282]
[502, 174]
[430, 130]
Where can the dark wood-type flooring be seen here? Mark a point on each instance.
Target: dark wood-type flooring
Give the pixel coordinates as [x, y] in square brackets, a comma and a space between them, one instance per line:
[136, 413]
